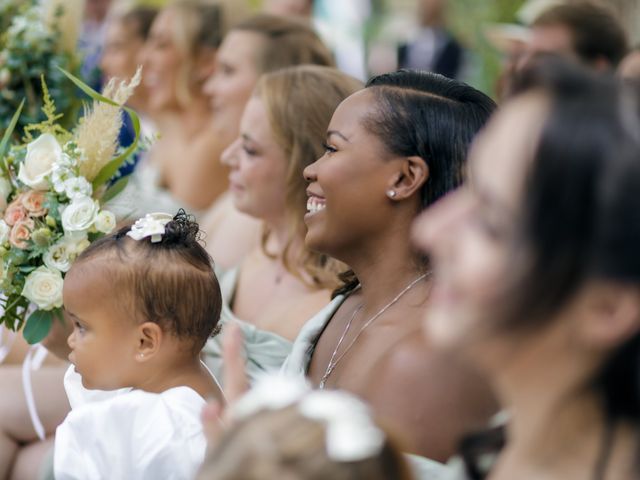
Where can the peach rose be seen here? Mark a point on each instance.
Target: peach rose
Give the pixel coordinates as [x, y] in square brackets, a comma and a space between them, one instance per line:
[21, 232]
[15, 212]
[33, 201]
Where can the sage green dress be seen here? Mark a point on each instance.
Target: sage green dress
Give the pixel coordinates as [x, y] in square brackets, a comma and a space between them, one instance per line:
[264, 351]
[297, 364]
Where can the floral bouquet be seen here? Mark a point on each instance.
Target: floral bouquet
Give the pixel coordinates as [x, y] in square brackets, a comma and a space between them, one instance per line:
[36, 37]
[52, 187]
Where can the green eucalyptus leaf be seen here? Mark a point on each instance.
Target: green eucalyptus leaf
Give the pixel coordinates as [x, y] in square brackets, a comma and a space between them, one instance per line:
[115, 189]
[9, 131]
[37, 326]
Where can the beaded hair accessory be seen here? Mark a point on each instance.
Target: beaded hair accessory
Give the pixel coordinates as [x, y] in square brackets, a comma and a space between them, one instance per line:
[151, 225]
[351, 435]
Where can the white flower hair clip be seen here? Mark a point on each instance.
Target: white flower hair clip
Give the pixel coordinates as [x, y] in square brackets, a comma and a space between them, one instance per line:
[351, 434]
[151, 225]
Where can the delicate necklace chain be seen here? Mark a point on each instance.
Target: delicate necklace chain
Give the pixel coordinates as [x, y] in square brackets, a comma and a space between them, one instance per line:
[333, 361]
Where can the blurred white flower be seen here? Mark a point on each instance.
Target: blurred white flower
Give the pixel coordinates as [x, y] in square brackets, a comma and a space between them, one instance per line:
[42, 153]
[79, 215]
[77, 187]
[43, 287]
[105, 221]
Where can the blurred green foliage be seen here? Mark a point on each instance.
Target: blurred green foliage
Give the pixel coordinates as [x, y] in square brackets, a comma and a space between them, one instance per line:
[468, 19]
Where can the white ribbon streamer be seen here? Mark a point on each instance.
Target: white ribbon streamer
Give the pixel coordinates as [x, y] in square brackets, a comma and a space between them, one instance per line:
[33, 361]
[7, 337]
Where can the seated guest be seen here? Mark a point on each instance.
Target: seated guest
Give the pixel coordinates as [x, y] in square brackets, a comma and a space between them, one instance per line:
[142, 302]
[258, 45]
[281, 283]
[178, 57]
[315, 435]
[539, 279]
[392, 150]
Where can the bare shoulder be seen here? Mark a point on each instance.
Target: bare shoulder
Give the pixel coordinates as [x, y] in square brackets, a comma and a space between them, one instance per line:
[431, 396]
[300, 309]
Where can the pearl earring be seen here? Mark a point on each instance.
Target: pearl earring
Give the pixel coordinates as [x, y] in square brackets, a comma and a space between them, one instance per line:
[391, 193]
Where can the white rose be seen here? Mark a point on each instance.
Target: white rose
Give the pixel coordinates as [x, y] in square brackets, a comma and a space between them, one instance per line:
[79, 215]
[105, 221]
[57, 257]
[77, 187]
[43, 287]
[4, 232]
[42, 153]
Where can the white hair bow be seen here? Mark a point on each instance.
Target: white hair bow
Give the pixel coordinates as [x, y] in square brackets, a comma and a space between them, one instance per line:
[151, 225]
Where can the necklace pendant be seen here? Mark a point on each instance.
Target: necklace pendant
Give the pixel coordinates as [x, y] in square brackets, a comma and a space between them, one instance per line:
[321, 385]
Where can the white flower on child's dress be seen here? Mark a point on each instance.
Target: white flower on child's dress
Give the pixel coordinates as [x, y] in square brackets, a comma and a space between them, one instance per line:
[151, 225]
[42, 153]
[43, 287]
[105, 221]
[77, 187]
[79, 215]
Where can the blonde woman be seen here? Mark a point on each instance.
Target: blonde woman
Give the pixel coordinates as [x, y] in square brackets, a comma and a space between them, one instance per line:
[178, 57]
[260, 44]
[281, 283]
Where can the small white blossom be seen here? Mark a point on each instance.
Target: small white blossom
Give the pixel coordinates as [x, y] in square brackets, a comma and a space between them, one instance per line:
[105, 221]
[77, 187]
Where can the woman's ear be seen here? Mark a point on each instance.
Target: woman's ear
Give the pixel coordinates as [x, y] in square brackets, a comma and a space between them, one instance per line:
[149, 339]
[411, 176]
[613, 316]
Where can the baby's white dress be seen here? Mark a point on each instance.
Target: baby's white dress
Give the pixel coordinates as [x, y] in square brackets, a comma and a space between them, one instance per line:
[129, 434]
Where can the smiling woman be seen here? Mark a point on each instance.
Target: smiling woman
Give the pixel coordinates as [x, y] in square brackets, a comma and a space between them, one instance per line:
[391, 150]
[539, 276]
[281, 283]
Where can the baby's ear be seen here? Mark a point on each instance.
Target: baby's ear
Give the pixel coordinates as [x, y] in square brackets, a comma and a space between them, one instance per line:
[148, 341]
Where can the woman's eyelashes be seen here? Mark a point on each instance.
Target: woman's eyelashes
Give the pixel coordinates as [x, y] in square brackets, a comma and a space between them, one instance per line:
[329, 149]
[249, 150]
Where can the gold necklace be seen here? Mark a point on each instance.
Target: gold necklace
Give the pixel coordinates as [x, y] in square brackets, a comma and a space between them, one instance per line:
[333, 363]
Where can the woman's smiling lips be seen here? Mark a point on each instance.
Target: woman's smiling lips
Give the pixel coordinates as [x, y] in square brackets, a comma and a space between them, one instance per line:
[315, 203]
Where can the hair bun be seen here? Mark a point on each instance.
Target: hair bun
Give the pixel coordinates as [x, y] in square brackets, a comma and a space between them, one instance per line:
[181, 230]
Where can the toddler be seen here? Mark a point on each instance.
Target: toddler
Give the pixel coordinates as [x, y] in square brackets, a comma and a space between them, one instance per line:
[143, 302]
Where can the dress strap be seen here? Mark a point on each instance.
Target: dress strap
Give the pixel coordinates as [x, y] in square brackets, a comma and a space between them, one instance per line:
[215, 380]
[7, 337]
[33, 361]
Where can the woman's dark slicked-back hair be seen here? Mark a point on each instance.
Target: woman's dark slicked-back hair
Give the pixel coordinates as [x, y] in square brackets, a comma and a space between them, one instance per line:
[581, 211]
[431, 116]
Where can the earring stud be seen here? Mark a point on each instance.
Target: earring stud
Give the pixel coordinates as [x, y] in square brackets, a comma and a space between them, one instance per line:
[391, 193]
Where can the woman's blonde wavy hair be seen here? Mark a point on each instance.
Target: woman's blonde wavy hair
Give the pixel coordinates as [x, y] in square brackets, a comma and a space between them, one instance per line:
[200, 26]
[300, 102]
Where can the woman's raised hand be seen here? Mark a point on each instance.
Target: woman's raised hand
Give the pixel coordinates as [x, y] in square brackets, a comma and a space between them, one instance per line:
[214, 416]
